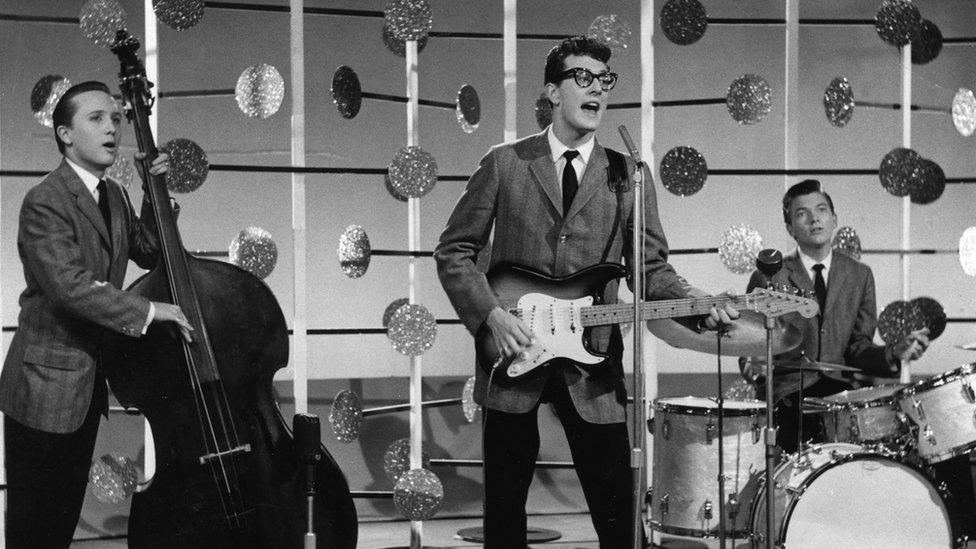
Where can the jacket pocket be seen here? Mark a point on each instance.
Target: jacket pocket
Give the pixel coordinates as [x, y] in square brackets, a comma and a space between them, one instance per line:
[61, 358]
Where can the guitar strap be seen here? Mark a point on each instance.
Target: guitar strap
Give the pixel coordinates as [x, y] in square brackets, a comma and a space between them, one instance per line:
[619, 183]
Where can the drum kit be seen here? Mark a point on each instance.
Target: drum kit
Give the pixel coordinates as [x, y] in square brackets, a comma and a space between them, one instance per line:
[868, 485]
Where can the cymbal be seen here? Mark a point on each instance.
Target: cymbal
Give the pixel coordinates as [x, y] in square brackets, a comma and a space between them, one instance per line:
[810, 365]
[746, 336]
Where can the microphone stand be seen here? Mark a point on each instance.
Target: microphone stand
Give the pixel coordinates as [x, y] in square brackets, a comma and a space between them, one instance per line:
[769, 262]
[308, 439]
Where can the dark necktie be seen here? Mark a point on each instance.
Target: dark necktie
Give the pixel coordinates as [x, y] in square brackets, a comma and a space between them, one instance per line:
[103, 204]
[820, 288]
[569, 180]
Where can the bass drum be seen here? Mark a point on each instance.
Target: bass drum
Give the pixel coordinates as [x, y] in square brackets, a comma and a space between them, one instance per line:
[839, 495]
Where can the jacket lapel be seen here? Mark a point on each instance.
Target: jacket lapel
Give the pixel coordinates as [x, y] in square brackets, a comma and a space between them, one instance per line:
[543, 170]
[84, 200]
[594, 178]
[797, 275]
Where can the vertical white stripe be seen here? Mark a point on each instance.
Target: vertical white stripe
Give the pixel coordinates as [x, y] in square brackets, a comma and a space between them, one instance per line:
[510, 69]
[906, 202]
[299, 353]
[791, 89]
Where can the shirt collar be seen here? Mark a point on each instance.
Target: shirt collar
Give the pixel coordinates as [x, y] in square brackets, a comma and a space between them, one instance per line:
[809, 262]
[557, 147]
[89, 179]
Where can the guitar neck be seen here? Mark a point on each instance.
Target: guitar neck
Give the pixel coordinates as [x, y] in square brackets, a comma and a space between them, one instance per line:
[617, 313]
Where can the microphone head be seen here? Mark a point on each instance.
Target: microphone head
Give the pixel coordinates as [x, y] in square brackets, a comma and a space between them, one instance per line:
[308, 437]
[769, 261]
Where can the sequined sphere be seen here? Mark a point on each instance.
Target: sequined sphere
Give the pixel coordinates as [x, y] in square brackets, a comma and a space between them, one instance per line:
[899, 171]
[413, 172]
[188, 166]
[543, 112]
[254, 251]
[45, 95]
[967, 251]
[260, 91]
[839, 102]
[897, 21]
[100, 20]
[468, 108]
[399, 46]
[347, 94]
[739, 247]
[748, 99]
[179, 14]
[392, 308]
[613, 32]
[683, 171]
[931, 182]
[412, 330]
[346, 416]
[683, 21]
[934, 314]
[898, 320]
[396, 459]
[926, 43]
[847, 242]
[408, 19]
[418, 495]
[121, 170]
[354, 251]
[112, 478]
[964, 111]
[468, 405]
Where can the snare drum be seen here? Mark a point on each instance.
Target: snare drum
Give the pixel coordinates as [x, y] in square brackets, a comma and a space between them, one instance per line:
[840, 495]
[864, 415]
[944, 410]
[684, 498]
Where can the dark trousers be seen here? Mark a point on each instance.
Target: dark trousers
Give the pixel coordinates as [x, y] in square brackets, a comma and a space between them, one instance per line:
[960, 498]
[601, 456]
[787, 416]
[47, 474]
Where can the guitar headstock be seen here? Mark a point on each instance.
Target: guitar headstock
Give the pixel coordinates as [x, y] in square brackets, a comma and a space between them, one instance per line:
[772, 303]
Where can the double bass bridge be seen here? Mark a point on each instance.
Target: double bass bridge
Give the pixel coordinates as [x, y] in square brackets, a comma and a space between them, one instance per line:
[245, 449]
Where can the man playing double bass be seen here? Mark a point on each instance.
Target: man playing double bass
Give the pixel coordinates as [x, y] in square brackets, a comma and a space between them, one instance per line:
[77, 231]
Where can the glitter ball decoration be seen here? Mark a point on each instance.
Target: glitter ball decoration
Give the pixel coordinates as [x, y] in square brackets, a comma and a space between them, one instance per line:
[112, 478]
[399, 46]
[926, 43]
[45, 95]
[468, 405]
[613, 32]
[899, 171]
[964, 112]
[346, 416]
[683, 21]
[683, 171]
[260, 91]
[354, 251]
[739, 247]
[393, 192]
[847, 242]
[413, 172]
[934, 315]
[543, 112]
[897, 21]
[178, 14]
[748, 99]
[967, 251]
[418, 494]
[347, 94]
[100, 20]
[408, 19]
[392, 308]
[899, 319]
[396, 459]
[931, 183]
[122, 170]
[254, 251]
[467, 107]
[412, 329]
[839, 102]
[188, 166]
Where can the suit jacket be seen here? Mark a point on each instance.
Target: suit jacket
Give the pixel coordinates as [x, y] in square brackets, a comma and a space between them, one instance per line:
[849, 320]
[74, 270]
[516, 193]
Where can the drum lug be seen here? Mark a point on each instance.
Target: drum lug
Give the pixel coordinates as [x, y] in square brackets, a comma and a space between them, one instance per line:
[649, 496]
[733, 506]
[919, 409]
[853, 429]
[663, 504]
[929, 434]
[650, 425]
[709, 432]
[756, 432]
[967, 391]
[666, 429]
[707, 510]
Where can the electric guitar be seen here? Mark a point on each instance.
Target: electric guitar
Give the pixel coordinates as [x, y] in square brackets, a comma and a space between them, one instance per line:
[561, 310]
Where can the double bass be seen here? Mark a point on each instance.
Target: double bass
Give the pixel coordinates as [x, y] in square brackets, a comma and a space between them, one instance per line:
[228, 472]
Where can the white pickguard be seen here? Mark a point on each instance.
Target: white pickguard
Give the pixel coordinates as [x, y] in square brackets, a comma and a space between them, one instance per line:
[558, 332]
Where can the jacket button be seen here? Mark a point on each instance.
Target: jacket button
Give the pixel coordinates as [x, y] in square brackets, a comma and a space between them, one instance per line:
[562, 238]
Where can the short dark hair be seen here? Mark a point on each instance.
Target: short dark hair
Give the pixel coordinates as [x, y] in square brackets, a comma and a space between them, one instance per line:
[805, 187]
[574, 45]
[65, 110]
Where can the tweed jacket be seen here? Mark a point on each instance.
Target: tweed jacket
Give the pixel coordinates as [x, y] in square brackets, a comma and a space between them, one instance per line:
[74, 270]
[516, 194]
[849, 320]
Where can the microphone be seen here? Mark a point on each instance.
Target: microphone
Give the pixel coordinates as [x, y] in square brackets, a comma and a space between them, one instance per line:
[629, 143]
[769, 262]
[308, 440]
